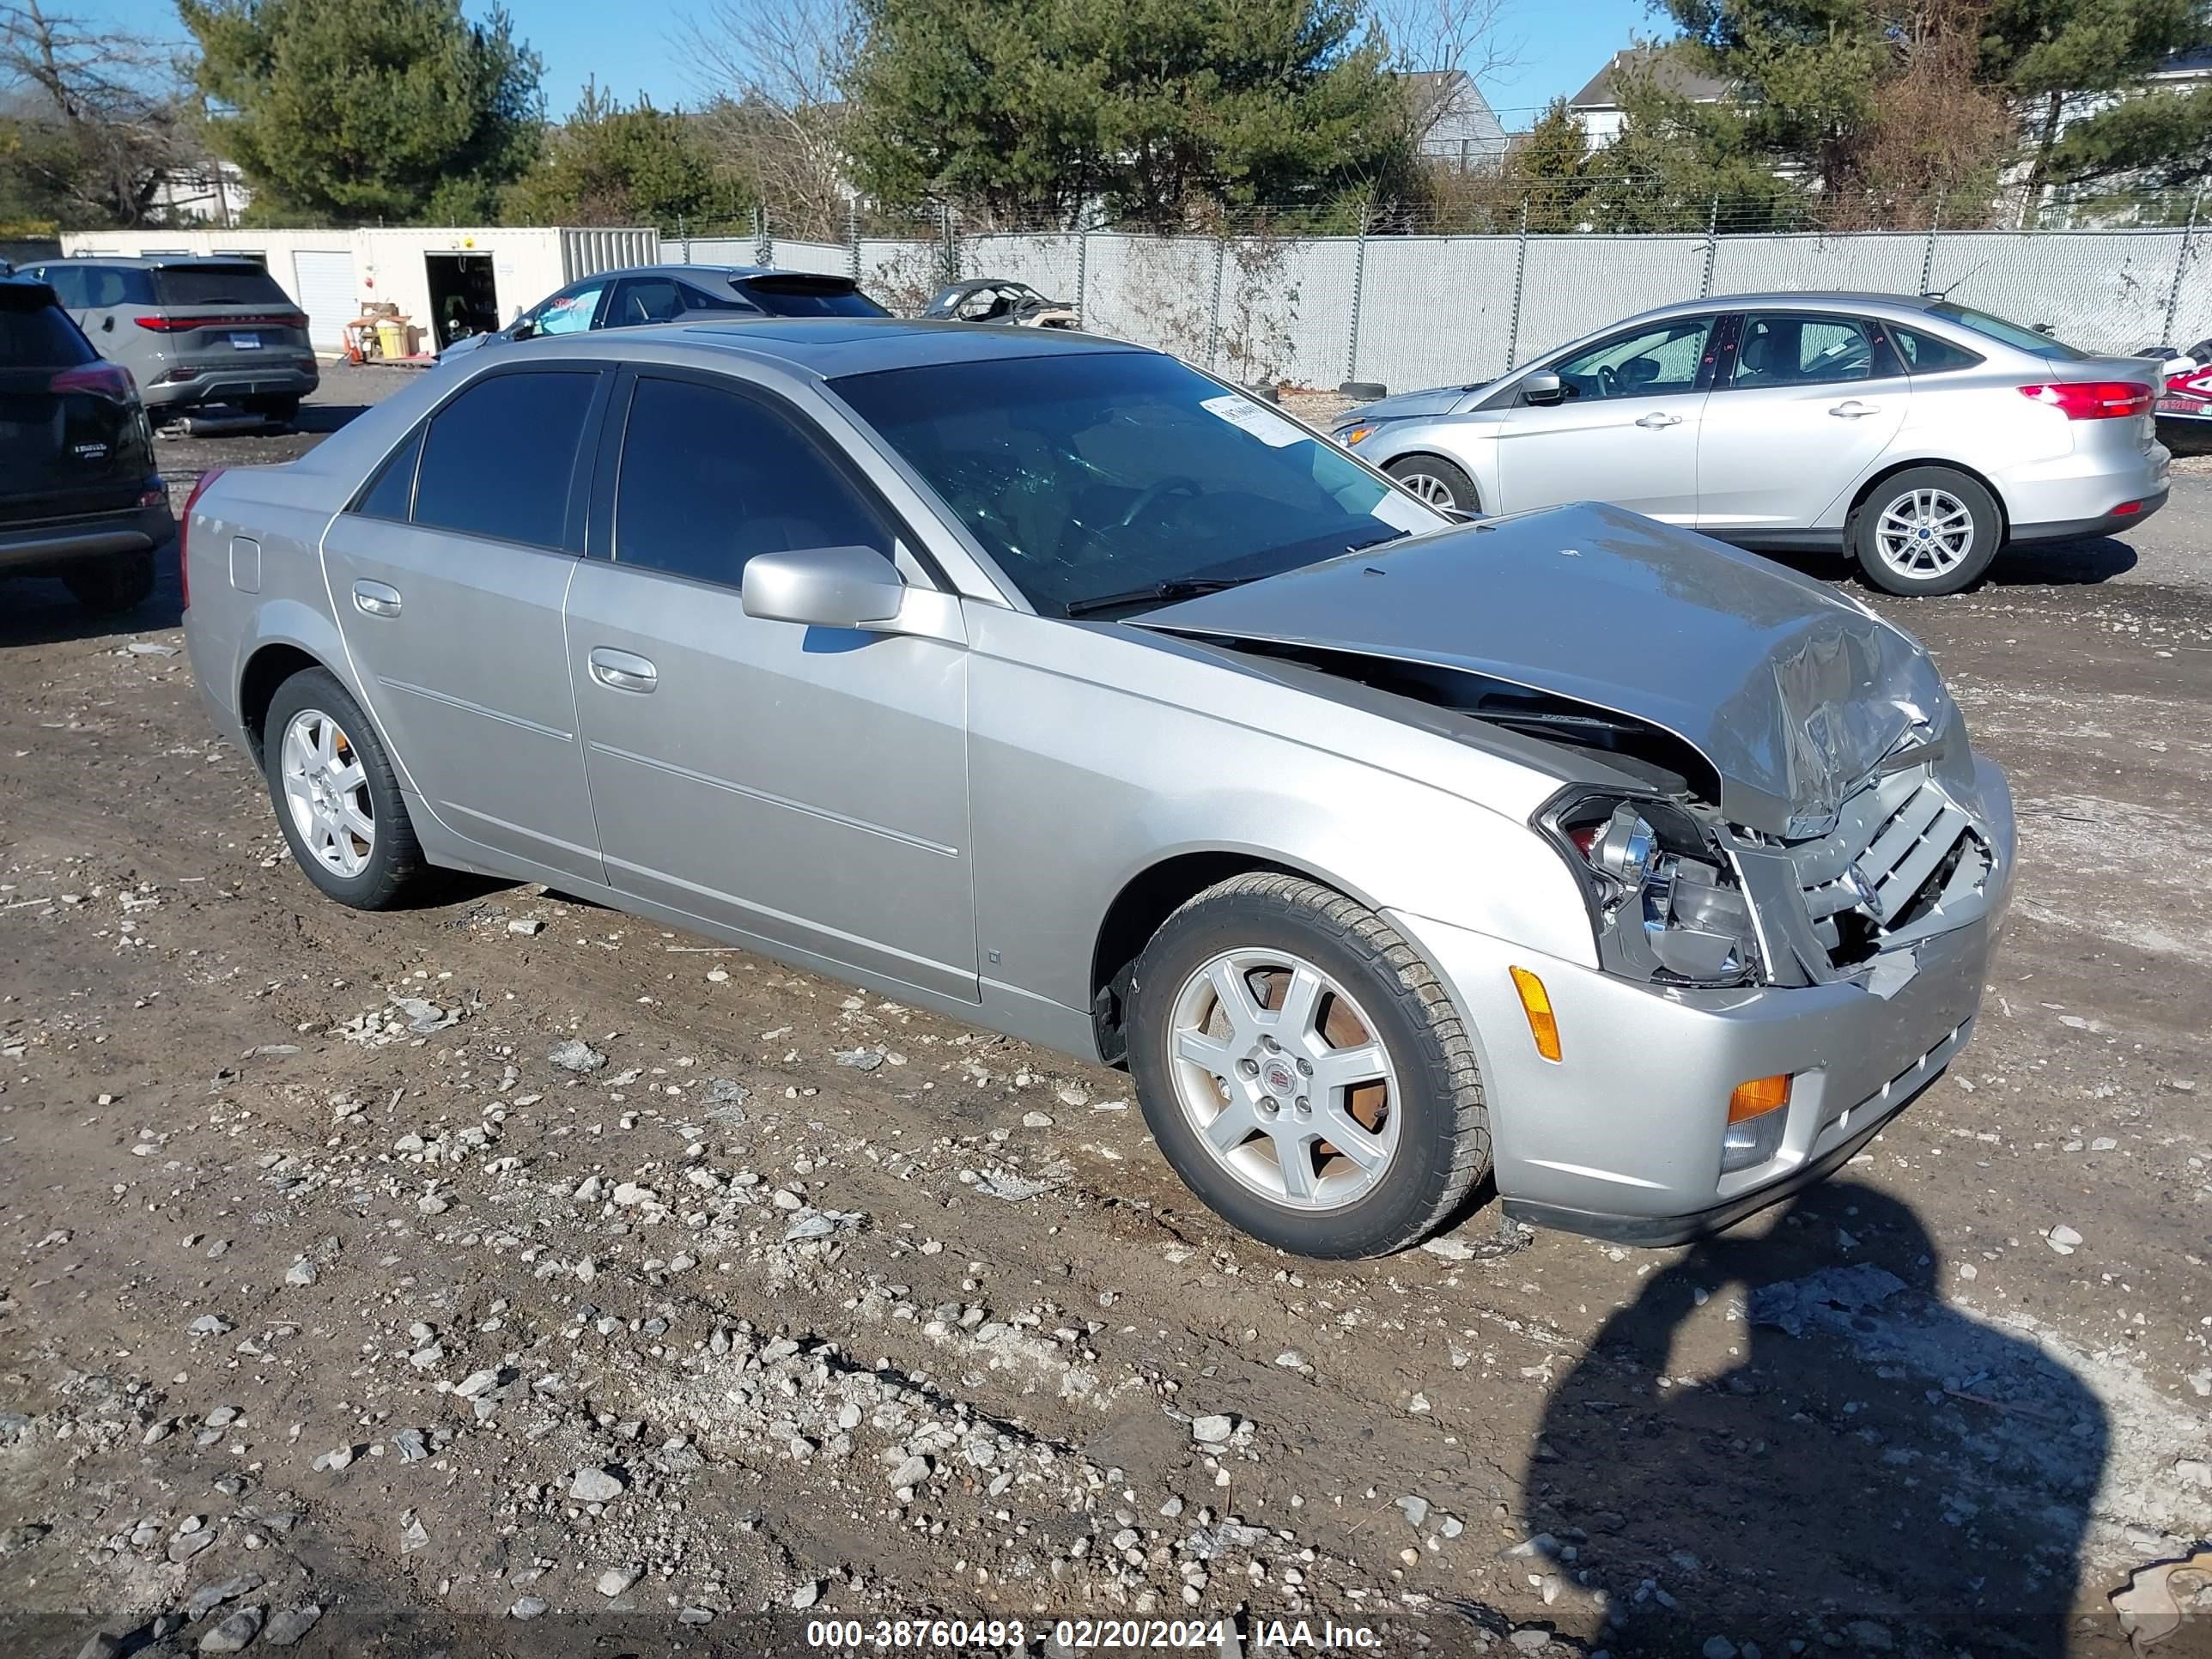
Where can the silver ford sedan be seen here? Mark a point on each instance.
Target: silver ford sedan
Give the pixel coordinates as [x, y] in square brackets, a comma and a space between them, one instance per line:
[1048, 684]
[1916, 437]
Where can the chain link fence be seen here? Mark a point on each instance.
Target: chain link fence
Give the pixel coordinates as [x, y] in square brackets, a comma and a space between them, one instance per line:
[1412, 300]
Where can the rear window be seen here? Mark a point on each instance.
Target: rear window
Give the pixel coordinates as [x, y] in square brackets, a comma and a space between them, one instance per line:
[2011, 334]
[217, 285]
[36, 333]
[809, 296]
[497, 459]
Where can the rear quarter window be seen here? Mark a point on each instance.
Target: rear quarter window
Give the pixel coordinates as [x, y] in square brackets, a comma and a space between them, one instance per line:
[240, 284]
[498, 458]
[37, 333]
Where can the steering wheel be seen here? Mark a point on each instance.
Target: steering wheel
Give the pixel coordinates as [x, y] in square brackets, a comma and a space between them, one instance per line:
[1151, 496]
[1608, 380]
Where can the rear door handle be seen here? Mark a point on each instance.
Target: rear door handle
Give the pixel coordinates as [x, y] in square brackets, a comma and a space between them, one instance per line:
[376, 599]
[1853, 408]
[1656, 419]
[618, 671]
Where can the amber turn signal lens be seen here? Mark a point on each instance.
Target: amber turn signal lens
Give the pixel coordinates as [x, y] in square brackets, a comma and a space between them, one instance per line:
[1758, 1097]
[1536, 1002]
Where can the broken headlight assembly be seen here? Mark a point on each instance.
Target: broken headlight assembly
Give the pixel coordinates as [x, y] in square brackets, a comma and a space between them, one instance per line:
[1662, 893]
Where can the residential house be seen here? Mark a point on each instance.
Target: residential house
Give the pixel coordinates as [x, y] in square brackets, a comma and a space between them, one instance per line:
[1599, 107]
[1456, 125]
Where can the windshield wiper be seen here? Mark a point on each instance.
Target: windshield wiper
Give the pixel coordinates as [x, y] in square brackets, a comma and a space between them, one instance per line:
[1176, 587]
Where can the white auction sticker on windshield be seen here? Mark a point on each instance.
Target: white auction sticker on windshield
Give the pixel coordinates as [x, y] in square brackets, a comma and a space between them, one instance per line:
[1278, 431]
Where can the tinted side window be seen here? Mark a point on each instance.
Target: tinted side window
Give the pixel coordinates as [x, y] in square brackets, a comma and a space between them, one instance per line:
[1924, 354]
[698, 299]
[1664, 358]
[68, 284]
[710, 478]
[1792, 349]
[393, 492]
[497, 459]
[639, 300]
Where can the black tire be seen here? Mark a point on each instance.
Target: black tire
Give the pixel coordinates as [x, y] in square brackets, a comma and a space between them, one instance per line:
[113, 585]
[1432, 477]
[1443, 1129]
[283, 410]
[1865, 531]
[394, 871]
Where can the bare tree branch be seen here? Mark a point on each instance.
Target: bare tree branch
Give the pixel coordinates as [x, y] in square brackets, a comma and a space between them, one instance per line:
[1426, 37]
[110, 94]
[771, 73]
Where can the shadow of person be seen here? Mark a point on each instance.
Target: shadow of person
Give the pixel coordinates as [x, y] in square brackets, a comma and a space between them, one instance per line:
[1789, 1438]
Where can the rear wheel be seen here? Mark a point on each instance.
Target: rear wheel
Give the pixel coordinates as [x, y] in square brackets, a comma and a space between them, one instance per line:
[336, 797]
[112, 585]
[1928, 530]
[1304, 1070]
[1438, 482]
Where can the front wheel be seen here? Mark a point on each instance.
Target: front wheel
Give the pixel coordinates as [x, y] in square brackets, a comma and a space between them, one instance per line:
[336, 797]
[1928, 530]
[1438, 482]
[1304, 1070]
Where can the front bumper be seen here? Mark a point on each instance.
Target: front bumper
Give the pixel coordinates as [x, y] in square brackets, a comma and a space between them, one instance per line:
[1620, 1138]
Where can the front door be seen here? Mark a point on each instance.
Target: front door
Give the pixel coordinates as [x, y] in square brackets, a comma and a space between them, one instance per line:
[1805, 411]
[806, 787]
[448, 576]
[1624, 432]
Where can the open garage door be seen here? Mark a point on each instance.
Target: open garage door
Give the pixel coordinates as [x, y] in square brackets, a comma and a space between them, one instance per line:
[327, 294]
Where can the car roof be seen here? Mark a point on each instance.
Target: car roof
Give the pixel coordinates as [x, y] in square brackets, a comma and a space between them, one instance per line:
[829, 348]
[154, 261]
[734, 273]
[1800, 300]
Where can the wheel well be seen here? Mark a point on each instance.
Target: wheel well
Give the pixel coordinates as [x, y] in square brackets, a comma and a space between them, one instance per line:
[1868, 489]
[1135, 916]
[1459, 467]
[270, 667]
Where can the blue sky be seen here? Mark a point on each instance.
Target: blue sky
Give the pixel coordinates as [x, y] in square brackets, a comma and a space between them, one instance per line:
[631, 45]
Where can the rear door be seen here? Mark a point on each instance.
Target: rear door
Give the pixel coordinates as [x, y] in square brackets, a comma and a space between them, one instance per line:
[448, 575]
[1805, 406]
[72, 439]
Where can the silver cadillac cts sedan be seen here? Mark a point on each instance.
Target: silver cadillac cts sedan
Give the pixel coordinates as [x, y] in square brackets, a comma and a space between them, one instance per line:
[1046, 682]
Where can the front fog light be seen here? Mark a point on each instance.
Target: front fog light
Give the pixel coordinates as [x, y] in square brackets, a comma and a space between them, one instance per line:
[1759, 1112]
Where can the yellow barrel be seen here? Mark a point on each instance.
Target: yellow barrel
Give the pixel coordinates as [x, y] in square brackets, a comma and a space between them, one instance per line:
[392, 337]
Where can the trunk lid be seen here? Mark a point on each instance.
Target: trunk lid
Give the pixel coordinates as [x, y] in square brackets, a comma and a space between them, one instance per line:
[1794, 694]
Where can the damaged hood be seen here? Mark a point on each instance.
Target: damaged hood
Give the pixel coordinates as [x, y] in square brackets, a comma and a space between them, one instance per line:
[1794, 694]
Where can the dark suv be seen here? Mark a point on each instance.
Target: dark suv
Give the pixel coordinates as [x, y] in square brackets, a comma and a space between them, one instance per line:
[79, 497]
[193, 330]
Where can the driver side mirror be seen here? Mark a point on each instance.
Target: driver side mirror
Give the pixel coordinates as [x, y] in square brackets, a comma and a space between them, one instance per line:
[522, 329]
[823, 587]
[1542, 387]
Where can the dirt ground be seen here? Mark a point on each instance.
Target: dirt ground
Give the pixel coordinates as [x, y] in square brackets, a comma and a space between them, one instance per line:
[328, 1281]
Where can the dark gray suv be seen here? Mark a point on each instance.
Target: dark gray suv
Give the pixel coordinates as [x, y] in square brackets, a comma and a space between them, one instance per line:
[190, 330]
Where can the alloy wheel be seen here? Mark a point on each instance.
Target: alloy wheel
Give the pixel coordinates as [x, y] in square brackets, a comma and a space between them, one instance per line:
[1429, 488]
[1282, 1075]
[327, 792]
[1925, 532]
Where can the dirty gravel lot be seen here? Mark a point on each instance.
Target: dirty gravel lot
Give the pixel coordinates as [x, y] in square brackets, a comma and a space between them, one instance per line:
[511, 1276]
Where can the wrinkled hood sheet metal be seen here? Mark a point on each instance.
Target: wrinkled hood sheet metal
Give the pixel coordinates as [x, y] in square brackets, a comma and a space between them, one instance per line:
[1792, 693]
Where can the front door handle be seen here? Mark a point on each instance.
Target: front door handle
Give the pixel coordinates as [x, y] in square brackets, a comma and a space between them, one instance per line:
[1851, 410]
[1657, 420]
[376, 599]
[618, 671]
